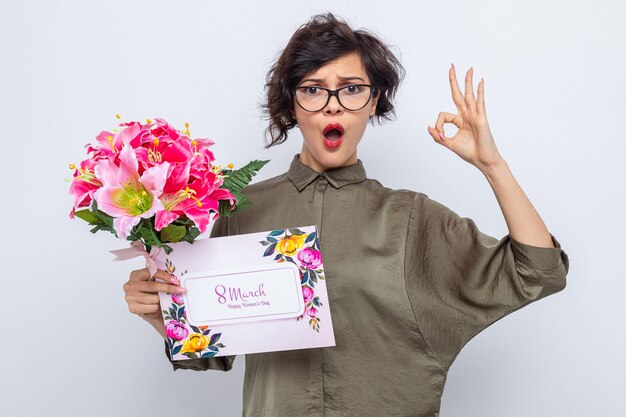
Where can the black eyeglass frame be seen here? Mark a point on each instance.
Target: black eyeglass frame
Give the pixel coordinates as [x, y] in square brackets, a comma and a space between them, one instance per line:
[335, 93]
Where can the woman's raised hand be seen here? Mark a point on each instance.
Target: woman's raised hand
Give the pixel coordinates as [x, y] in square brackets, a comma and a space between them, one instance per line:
[142, 297]
[473, 142]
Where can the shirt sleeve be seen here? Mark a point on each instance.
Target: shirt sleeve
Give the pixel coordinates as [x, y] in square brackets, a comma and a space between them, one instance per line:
[460, 280]
[222, 363]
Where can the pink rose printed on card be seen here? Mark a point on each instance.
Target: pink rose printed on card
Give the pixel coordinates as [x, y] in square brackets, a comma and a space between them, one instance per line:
[176, 330]
[310, 258]
[307, 293]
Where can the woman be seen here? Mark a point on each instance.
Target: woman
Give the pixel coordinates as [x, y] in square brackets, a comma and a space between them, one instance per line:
[409, 281]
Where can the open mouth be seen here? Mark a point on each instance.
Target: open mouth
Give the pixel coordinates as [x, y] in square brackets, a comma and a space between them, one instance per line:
[333, 134]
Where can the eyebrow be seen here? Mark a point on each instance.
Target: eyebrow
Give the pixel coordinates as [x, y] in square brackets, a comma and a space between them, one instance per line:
[319, 80]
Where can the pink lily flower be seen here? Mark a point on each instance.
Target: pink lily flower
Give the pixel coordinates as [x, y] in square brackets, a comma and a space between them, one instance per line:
[155, 150]
[202, 157]
[84, 185]
[195, 199]
[111, 144]
[127, 196]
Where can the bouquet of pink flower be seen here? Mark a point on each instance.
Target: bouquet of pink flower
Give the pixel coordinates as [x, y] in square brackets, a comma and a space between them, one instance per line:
[153, 184]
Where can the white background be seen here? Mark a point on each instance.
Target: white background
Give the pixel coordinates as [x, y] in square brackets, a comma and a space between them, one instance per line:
[554, 86]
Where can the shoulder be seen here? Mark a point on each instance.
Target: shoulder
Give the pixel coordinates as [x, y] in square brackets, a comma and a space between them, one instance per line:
[375, 187]
[400, 197]
[425, 206]
[419, 206]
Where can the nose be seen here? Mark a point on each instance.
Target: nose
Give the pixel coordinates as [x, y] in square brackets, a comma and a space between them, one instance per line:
[333, 106]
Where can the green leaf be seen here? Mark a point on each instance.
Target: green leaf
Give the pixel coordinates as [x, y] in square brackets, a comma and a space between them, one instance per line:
[236, 181]
[88, 216]
[167, 249]
[192, 234]
[191, 355]
[173, 233]
[214, 338]
[270, 250]
[177, 349]
[296, 232]
[147, 233]
[310, 237]
[108, 220]
[183, 221]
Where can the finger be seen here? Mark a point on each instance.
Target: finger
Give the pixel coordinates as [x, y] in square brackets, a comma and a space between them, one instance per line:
[438, 137]
[435, 135]
[153, 287]
[142, 298]
[480, 105]
[144, 275]
[140, 309]
[445, 117]
[470, 99]
[457, 96]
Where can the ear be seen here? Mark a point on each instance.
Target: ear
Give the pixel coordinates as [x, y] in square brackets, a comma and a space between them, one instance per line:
[374, 103]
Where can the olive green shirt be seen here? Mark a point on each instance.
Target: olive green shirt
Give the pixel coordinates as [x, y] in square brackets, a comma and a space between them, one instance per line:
[409, 283]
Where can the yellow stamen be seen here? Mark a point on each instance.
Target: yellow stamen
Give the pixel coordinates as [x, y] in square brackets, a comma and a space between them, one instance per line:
[156, 142]
[72, 166]
[230, 166]
[118, 116]
[148, 121]
[194, 142]
[154, 156]
[89, 176]
[110, 139]
[189, 193]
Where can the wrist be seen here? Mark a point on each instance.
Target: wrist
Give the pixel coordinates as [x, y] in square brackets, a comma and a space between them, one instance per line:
[158, 324]
[494, 170]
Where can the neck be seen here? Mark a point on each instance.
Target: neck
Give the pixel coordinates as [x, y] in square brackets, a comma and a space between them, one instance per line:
[307, 159]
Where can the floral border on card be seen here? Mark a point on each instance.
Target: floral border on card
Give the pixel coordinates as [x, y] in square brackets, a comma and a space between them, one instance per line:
[303, 250]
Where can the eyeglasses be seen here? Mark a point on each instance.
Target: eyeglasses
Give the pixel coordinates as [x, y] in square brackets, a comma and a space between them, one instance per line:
[352, 97]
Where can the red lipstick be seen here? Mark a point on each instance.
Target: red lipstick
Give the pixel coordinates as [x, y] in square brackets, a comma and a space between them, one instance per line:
[333, 135]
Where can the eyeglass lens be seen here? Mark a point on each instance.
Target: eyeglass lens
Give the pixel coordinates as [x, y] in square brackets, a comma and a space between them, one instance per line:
[352, 97]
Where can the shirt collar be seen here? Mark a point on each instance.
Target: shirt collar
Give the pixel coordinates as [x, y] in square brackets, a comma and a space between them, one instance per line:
[302, 175]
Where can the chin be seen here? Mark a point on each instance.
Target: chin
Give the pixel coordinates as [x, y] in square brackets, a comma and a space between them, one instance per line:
[334, 159]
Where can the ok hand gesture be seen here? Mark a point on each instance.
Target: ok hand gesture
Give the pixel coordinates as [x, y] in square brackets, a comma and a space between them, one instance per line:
[473, 142]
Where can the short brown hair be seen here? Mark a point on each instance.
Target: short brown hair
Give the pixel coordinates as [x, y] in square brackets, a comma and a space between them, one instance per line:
[317, 42]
